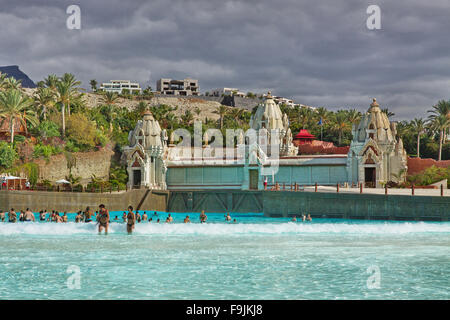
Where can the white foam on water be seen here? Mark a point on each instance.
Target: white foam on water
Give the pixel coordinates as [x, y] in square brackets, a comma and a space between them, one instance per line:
[72, 228]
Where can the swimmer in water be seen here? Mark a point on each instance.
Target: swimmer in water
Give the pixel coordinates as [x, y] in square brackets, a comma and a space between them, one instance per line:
[228, 217]
[157, 221]
[124, 217]
[138, 217]
[42, 215]
[116, 218]
[294, 219]
[170, 218]
[234, 221]
[58, 219]
[309, 217]
[103, 219]
[131, 220]
[144, 216]
[2, 215]
[203, 217]
[303, 217]
[187, 220]
[78, 217]
[12, 216]
[21, 215]
[64, 217]
[28, 215]
[88, 215]
[155, 214]
[150, 220]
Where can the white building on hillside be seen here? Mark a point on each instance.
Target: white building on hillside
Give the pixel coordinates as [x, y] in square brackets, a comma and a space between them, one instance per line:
[119, 85]
[227, 92]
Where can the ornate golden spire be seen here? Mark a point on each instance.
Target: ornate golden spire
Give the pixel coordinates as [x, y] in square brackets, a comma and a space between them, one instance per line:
[374, 103]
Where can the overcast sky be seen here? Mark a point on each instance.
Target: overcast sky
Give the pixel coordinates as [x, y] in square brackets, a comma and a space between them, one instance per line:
[319, 53]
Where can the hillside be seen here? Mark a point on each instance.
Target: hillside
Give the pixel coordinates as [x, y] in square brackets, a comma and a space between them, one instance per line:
[14, 71]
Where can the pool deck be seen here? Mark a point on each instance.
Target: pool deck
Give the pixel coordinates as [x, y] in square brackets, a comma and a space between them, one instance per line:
[390, 191]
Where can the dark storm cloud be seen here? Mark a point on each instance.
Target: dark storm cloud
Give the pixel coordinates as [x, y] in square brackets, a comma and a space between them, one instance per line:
[318, 52]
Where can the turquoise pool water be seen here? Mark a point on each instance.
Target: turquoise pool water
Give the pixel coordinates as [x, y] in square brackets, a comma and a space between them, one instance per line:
[257, 258]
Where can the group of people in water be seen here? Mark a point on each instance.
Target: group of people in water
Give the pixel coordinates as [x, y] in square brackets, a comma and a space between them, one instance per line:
[101, 216]
[304, 218]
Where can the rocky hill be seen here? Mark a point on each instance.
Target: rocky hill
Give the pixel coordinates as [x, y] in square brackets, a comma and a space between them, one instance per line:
[14, 71]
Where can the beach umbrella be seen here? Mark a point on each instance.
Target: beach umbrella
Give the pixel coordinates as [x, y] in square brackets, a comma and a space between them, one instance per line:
[12, 178]
[63, 181]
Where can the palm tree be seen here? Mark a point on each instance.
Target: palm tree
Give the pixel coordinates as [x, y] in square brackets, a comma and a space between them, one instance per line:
[72, 83]
[44, 99]
[51, 81]
[221, 111]
[187, 118]
[93, 84]
[340, 123]
[2, 80]
[237, 114]
[66, 87]
[441, 108]
[171, 119]
[323, 114]
[418, 126]
[305, 115]
[353, 116]
[387, 112]
[439, 124]
[110, 97]
[12, 83]
[15, 106]
[63, 90]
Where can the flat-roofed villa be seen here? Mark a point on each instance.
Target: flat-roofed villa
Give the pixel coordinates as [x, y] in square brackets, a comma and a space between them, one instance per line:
[185, 87]
[118, 86]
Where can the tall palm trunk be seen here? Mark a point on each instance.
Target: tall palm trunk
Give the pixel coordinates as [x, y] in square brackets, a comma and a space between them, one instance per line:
[63, 120]
[418, 145]
[12, 130]
[441, 137]
[68, 107]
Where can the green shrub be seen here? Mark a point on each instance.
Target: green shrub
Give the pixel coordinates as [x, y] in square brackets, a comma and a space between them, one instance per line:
[7, 155]
[47, 129]
[81, 131]
[18, 138]
[71, 147]
[45, 151]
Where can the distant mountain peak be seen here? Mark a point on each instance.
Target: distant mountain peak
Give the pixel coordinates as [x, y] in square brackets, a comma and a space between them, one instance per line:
[14, 71]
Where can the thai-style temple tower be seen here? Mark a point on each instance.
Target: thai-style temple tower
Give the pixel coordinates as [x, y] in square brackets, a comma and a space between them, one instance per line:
[269, 117]
[376, 155]
[144, 155]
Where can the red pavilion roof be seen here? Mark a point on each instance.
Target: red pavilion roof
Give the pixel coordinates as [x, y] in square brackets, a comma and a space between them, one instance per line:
[304, 134]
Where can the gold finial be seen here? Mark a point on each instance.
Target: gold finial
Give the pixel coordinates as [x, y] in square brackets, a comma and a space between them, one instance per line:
[374, 103]
[269, 95]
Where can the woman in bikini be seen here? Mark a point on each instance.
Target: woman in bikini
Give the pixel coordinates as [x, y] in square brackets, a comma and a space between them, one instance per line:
[131, 220]
[103, 220]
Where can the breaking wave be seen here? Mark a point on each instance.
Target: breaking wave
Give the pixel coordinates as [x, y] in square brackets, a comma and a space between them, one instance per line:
[72, 228]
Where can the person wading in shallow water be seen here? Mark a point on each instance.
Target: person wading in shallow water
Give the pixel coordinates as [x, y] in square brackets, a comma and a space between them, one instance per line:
[28, 216]
[12, 216]
[131, 220]
[203, 217]
[88, 215]
[103, 220]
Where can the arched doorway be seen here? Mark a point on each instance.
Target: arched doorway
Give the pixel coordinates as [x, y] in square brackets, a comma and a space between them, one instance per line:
[137, 178]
